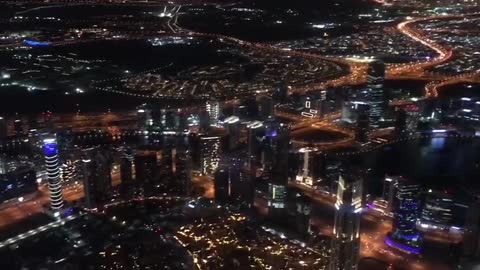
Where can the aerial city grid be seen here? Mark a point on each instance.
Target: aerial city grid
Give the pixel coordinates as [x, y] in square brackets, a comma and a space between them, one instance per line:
[240, 134]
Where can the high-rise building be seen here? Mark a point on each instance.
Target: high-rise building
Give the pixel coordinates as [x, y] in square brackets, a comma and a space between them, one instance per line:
[126, 166]
[143, 119]
[255, 133]
[18, 127]
[400, 122]
[210, 151]
[3, 128]
[213, 109]
[68, 171]
[275, 151]
[376, 94]
[222, 185]
[346, 231]
[97, 179]
[406, 206]
[303, 207]
[389, 189]
[183, 169]
[146, 170]
[170, 120]
[437, 211]
[471, 242]
[412, 118]
[204, 121]
[277, 195]
[267, 107]
[281, 93]
[332, 174]
[363, 124]
[53, 172]
[305, 175]
[3, 164]
[232, 125]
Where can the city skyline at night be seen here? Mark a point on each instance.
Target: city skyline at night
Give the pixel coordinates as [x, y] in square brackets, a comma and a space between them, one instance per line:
[240, 134]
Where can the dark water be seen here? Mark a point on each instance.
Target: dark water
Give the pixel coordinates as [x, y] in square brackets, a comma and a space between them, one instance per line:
[447, 164]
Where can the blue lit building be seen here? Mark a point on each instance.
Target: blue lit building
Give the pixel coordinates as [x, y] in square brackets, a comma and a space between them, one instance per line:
[404, 235]
[53, 173]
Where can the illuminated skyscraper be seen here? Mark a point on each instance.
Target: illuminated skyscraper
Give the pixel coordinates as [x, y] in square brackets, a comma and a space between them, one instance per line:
[346, 231]
[389, 189]
[413, 117]
[275, 151]
[213, 109]
[437, 211]
[68, 171]
[305, 175]
[210, 150]
[53, 172]
[404, 235]
[377, 97]
[277, 195]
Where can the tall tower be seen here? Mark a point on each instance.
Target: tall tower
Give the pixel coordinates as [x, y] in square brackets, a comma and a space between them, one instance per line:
[377, 97]
[54, 179]
[346, 231]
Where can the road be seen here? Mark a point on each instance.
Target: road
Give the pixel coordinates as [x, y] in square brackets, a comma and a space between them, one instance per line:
[14, 210]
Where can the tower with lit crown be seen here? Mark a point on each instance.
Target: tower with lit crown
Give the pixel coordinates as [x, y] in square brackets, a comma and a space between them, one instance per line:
[53, 172]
